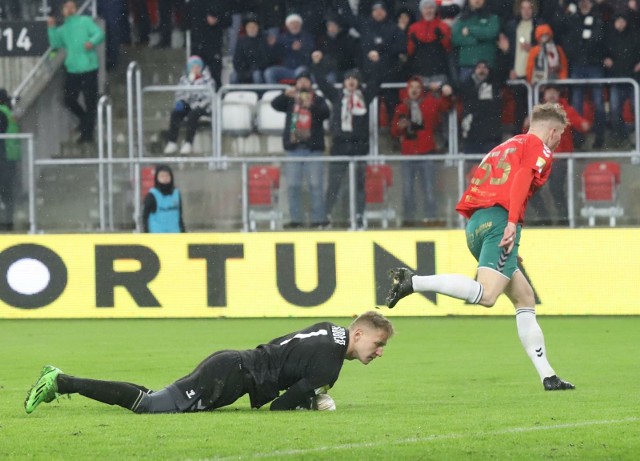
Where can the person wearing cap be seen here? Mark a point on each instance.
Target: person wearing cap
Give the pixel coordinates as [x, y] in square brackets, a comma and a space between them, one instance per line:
[303, 137]
[10, 154]
[414, 123]
[583, 42]
[349, 127]
[429, 44]
[474, 34]
[208, 21]
[290, 52]
[190, 105]
[622, 60]
[546, 60]
[250, 58]
[79, 36]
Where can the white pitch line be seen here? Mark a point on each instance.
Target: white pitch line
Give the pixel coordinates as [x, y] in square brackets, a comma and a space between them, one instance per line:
[429, 438]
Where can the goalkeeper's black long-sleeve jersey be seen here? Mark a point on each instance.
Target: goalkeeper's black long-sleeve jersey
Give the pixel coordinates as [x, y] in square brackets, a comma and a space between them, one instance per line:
[300, 363]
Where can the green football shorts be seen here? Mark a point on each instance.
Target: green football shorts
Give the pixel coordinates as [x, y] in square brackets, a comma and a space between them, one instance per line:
[484, 231]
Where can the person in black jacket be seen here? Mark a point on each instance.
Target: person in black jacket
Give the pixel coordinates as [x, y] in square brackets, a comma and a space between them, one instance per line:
[208, 21]
[622, 60]
[251, 56]
[481, 109]
[582, 34]
[340, 49]
[304, 363]
[349, 127]
[303, 137]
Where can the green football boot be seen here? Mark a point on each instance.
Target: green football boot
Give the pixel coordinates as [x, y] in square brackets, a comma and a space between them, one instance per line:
[44, 390]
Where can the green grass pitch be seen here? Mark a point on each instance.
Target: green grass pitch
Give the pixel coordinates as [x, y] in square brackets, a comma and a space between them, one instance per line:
[445, 389]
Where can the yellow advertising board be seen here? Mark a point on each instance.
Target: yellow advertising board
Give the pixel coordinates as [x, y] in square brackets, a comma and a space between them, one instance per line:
[299, 274]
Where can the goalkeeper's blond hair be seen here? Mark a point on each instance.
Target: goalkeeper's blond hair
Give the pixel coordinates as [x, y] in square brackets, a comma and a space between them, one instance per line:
[373, 320]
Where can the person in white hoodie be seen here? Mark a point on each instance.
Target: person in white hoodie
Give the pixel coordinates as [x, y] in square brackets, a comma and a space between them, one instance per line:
[190, 105]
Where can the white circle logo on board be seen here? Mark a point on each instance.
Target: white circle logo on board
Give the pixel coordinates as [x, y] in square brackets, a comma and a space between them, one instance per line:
[28, 276]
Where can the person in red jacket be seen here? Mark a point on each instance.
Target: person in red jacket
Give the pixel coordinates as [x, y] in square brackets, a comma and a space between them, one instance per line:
[429, 45]
[414, 122]
[558, 178]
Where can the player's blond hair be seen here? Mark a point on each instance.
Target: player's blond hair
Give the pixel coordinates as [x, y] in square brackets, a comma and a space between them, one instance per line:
[374, 320]
[549, 112]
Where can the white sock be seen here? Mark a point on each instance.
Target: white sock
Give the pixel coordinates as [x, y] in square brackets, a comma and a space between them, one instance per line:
[532, 340]
[454, 285]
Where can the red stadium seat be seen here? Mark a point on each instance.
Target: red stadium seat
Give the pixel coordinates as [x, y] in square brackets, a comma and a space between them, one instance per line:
[378, 180]
[264, 185]
[147, 180]
[600, 183]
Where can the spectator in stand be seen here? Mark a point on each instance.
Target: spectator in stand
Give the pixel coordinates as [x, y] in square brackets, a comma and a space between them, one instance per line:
[208, 20]
[622, 60]
[303, 136]
[166, 11]
[474, 34]
[140, 15]
[380, 35]
[339, 49]
[349, 127]
[546, 60]
[632, 11]
[291, 51]
[429, 45]
[311, 12]
[270, 14]
[162, 209]
[558, 178]
[252, 54]
[111, 11]
[414, 123]
[520, 32]
[481, 110]
[190, 105]
[404, 19]
[583, 41]
[10, 154]
[79, 36]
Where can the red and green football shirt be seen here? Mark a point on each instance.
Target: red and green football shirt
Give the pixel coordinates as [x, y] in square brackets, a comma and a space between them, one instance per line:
[493, 181]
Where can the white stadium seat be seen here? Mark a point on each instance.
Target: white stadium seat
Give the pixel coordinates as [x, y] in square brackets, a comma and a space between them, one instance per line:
[269, 121]
[238, 109]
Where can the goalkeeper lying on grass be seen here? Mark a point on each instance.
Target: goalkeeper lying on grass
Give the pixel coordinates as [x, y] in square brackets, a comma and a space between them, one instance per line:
[303, 363]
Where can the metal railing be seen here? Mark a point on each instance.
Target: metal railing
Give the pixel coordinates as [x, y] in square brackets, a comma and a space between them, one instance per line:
[105, 106]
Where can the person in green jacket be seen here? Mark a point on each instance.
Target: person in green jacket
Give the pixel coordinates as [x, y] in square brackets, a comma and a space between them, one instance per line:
[475, 35]
[79, 36]
[9, 156]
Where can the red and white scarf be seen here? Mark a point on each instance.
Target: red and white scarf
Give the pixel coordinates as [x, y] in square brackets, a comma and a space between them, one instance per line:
[352, 104]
